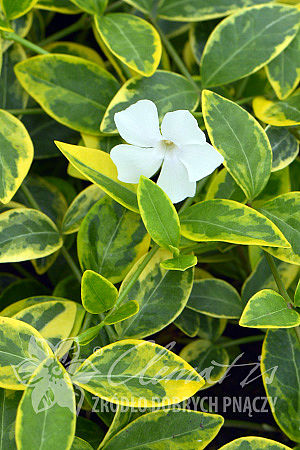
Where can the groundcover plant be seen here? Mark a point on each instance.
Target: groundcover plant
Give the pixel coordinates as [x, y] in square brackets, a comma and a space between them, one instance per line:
[149, 224]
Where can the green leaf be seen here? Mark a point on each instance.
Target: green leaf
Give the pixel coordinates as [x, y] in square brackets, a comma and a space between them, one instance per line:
[280, 113]
[297, 295]
[168, 429]
[123, 312]
[60, 6]
[75, 49]
[12, 94]
[153, 285]
[224, 121]
[9, 401]
[121, 373]
[27, 234]
[196, 10]
[91, 6]
[188, 322]
[254, 443]
[98, 167]
[210, 361]
[285, 147]
[47, 407]
[16, 154]
[132, 40]
[111, 239]
[284, 211]
[79, 208]
[284, 71]
[231, 50]
[268, 309]
[229, 221]
[262, 277]
[97, 293]
[77, 102]
[159, 215]
[216, 298]
[80, 444]
[168, 90]
[222, 185]
[22, 349]
[181, 262]
[278, 183]
[54, 320]
[15, 9]
[281, 350]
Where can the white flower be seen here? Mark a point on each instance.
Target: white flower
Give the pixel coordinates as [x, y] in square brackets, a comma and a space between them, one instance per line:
[180, 148]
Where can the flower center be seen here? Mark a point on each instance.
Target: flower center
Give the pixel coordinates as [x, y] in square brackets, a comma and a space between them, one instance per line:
[168, 145]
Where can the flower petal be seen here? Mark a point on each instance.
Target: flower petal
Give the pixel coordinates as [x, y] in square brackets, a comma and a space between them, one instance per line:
[181, 127]
[138, 124]
[173, 179]
[132, 162]
[199, 160]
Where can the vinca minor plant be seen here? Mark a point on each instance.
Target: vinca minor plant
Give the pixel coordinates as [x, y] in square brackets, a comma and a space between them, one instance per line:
[149, 224]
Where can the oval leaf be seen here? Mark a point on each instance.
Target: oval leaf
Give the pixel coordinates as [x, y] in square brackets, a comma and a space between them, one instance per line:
[27, 234]
[196, 10]
[181, 262]
[229, 221]
[254, 443]
[168, 429]
[210, 361]
[284, 71]
[131, 39]
[15, 9]
[79, 208]
[280, 113]
[231, 50]
[248, 155]
[97, 166]
[48, 407]
[22, 349]
[159, 214]
[97, 293]
[153, 285]
[280, 363]
[284, 211]
[111, 239]
[285, 147]
[216, 298]
[268, 309]
[120, 373]
[125, 311]
[168, 90]
[72, 90]
[16, 155]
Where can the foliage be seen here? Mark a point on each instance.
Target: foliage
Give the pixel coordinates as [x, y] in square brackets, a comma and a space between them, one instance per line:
[109, 292]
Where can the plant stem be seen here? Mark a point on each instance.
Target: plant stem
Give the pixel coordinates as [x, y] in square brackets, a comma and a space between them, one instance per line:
[173, 53]
[31, 200]
[71, 263]
[265, 427]
[245, 340]
[16, 38]
[277, 278]
[17, 112]
[84, 20]
[22, 271]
